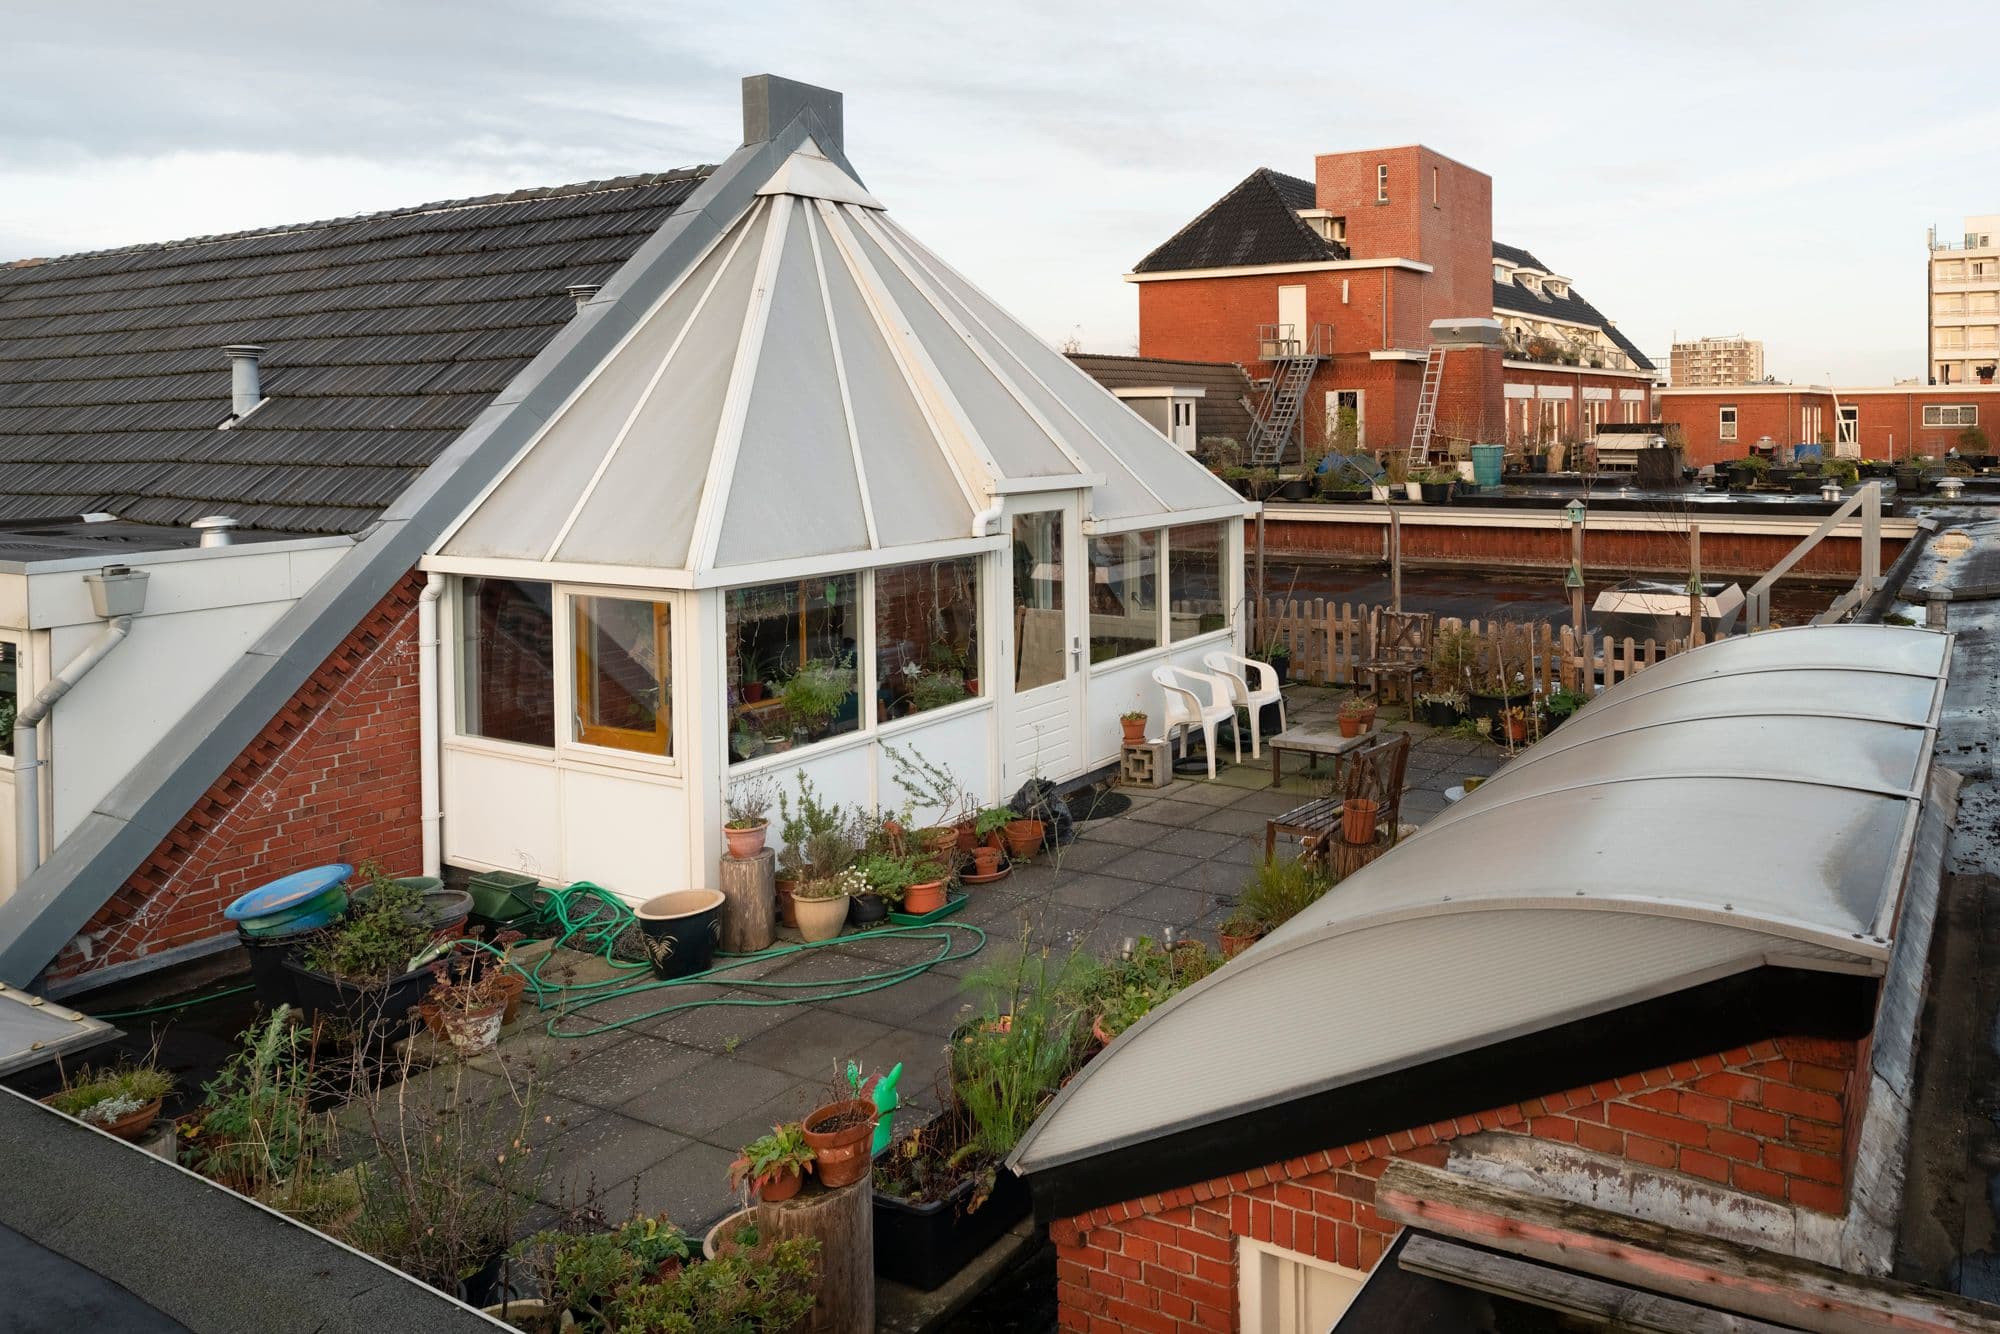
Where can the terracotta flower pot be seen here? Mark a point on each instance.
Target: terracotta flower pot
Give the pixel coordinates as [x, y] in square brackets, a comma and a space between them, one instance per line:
[1367, 716]
[514, 986]
[938, 839]
[1024, 838]
[821, 919]
[788, 913]
[1350, 724]
[1135, 730]
[841, 1134]
[986, 860]
[1357, 821]
[1517, 729]
[927, 897]
[130, 1126]
[968, 835]
[1099, 1031]
[747, 841]
[474, 1031]
[780, 1187]
[1234, 945]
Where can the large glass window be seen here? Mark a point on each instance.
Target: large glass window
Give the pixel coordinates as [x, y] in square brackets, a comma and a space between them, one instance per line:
[1124, 594]
[792, 662]
[1041, 637]
[926, 636]
[1195, 579]
[506, 654]
[10, 697]
[624, 681]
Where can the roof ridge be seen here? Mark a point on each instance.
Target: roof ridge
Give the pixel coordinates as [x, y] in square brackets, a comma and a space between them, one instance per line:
[636, 180]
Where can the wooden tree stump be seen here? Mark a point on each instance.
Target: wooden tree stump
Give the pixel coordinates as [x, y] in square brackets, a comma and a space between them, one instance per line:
[750, 907]
[843, 1222]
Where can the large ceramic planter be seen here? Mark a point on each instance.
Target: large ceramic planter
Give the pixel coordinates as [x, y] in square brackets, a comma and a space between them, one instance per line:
[923, 1245]
[821, 919]
[747, 841]
[715, 1241]
[1280, 664]
[841, 1135]
[680, 930]
[927, 897]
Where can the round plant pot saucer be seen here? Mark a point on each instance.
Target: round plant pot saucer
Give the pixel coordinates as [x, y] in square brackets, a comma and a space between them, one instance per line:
[968, 878]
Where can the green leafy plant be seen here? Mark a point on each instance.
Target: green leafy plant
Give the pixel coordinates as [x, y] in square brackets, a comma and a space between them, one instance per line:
[589, 1273]
[841, 884]
[992, 820]
[934, 690]
[814, 694]
[1354, 706]
[1972, 440]
[932, 787]
[102, 1097]
[768, 1157]
[377, 940]
[1281, 889]
[1844, 471]
[1562, 702]
[256, 1123]
[1756, 465]
[1006, 1065]
[749, 1288]
[1454, 651]
[1119, 992]
[891, 874]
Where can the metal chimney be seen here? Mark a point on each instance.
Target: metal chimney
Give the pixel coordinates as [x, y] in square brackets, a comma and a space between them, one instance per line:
[246, 385]
[582, 292]
[217, 530]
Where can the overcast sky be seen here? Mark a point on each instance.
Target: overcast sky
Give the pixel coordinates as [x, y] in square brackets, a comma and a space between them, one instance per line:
[1749, 168]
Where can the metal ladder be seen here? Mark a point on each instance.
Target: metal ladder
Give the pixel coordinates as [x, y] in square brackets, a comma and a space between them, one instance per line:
[1427, 406]
[1294, 362]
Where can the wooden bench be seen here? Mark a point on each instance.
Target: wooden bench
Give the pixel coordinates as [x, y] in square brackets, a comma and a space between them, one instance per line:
[1376, 772]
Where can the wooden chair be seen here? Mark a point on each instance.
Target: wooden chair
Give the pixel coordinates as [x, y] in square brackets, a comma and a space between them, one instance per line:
[1401, 650]
[1376, 773]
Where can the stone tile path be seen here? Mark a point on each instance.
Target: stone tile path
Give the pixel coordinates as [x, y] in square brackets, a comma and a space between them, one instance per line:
[660, 1104]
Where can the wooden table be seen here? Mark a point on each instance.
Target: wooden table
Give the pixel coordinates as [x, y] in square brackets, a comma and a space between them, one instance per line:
[1313, 742]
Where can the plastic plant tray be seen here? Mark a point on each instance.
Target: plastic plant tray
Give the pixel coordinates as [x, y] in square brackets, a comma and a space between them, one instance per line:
[951, 905]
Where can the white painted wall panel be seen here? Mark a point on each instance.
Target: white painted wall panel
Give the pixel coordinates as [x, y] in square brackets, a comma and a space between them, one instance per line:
[502, 813]
[627, 834]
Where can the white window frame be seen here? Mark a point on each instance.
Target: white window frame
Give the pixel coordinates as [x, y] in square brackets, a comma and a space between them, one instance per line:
[1435, 197]
[1382, 183]
[1726, 422]
[22, 685]
[1951, 414]
[1254, 1260]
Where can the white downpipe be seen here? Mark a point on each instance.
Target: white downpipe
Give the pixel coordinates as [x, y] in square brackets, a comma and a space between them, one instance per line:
[428, 732]
[27, 758]
[983, 521]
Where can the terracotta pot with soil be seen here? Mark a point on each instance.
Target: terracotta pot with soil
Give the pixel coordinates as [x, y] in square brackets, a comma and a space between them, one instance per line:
[747, 841]
[1350, 724]
[1024, 838]
[927, 897]
[841, 1135]
[1357, 821]
[986, 860]
[781, 1187]
[1135, 730]
[1233, 945]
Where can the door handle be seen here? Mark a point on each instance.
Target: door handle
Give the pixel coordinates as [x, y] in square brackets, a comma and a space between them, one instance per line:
[1076, 653]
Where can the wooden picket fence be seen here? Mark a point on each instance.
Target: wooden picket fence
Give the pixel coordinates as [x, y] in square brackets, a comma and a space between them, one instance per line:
[1330, 641]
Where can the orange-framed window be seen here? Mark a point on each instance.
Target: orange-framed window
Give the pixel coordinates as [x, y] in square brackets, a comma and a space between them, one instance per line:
[624, 676]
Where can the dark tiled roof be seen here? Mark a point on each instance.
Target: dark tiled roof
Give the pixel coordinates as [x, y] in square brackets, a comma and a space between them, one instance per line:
[385, 334]
[1223, 409]
[1512, 296]
[1255, 223]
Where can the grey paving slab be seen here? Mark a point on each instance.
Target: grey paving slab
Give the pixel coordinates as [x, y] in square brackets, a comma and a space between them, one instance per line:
[812, 1045]
[706, 1095]
[1195, 842]
[1150, 867]
[605, 1150]
[1168, 905]
[1178, 814]
[1125, 831]
[617, 1074]
[1207, 794]
[1096, 892]
[1223, 875]
[691, 1187]
[923, 1057]
[897, 1004]
[1233, 820]
[719, 1027]
[1109, 932]
[1085, 855]
[799, 1097]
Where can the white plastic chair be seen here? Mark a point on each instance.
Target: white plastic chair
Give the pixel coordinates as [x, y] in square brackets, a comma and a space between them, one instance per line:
[1186, 709]
[1231, 667]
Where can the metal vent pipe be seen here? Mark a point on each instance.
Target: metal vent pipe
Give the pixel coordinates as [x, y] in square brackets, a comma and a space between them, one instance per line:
[217, 530]
[246, 383]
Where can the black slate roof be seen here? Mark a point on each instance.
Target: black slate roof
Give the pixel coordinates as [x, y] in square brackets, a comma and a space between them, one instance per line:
[386, 334]
[1225, 409]
[1512, 296]
[1255, 223]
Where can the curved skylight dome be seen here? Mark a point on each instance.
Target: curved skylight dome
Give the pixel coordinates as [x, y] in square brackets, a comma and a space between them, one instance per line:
[818, 384]
[1749, 803]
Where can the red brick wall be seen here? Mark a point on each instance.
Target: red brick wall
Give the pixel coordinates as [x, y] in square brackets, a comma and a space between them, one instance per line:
[1451, 229]
[1766, 1120]
[1469, 403]
[1572, 382]
[332, 778]
[1890, 424]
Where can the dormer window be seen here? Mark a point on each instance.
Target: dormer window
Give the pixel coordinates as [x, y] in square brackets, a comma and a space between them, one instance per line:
[1557, 287]
[1529, 281]
[1327, 226]
[1500, 274]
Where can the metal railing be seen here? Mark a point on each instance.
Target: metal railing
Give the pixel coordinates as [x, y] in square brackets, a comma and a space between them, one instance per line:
[1939, 280]
[1281, 342]
[1867, 499]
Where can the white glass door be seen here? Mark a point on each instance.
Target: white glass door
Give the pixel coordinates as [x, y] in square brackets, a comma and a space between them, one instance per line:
[1045, 642]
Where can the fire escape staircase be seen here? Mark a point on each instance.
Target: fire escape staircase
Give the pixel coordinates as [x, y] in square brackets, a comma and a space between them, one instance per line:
[1427, 408]
[1294, 357]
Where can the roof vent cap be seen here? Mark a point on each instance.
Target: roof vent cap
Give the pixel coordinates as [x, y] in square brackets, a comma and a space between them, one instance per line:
[581, 293]
[246, 385]
[217, 530]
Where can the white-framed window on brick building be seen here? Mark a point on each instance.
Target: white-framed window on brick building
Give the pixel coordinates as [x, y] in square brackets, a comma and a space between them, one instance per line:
[1382, 184]
[1727, 428]
[1951, 414]
[1281, 1291]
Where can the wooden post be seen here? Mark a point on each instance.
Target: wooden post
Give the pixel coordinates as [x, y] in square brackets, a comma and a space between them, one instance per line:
[750, 903]
[1259, 630]
[1694, 584]
[1395, 559]
[843, 1222]
[1576, 594]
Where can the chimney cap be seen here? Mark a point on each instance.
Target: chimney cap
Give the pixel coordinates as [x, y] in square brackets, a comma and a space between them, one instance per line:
[771, 103]
[215, 529]
[244, 350]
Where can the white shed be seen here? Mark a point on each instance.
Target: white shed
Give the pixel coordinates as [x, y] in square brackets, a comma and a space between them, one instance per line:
[824, 497]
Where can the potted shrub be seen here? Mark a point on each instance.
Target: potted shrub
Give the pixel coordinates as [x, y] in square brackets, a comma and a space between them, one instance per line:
[1277, 653]
[773, 1165]
[1559, 704]
[890, 874]
[124, 1101]
[1353, 716]
[822, 903]
[1514, 721]
[925, 892]
[1024, 836]
[369, 969]
[1238, 932]
[1439, 708]
[587, 1275]
[989, 829]
[811, 830]
[467, 1006]
[256, 1125]
[1279, 890]
[840, 1135]
[1134, 723]
[814, 696]
[748, 801]
[1120, 992]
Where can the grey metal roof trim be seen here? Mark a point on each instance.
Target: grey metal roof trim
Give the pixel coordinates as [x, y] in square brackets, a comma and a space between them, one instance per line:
[111, 842]
[1545, 898]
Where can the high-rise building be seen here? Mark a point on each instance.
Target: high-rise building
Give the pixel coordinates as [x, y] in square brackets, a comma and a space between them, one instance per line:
[1962, 289]
[1708, 361]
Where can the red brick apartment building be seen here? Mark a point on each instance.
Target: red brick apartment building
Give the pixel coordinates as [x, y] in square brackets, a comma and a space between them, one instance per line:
[1367, 255]
[1727, 422]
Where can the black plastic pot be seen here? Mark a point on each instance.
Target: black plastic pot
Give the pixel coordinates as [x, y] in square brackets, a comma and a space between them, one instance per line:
[1490, 706]
[1293, 488]
[1436, 715]
[923, 1245]
[268, 954]
[866, 909]
[680, 930]
[382, 1010]
[1280, 665]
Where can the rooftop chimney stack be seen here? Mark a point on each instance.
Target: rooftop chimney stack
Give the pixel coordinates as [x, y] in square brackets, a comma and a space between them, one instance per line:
[246, 385]
[771, 103]
[582, 292]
